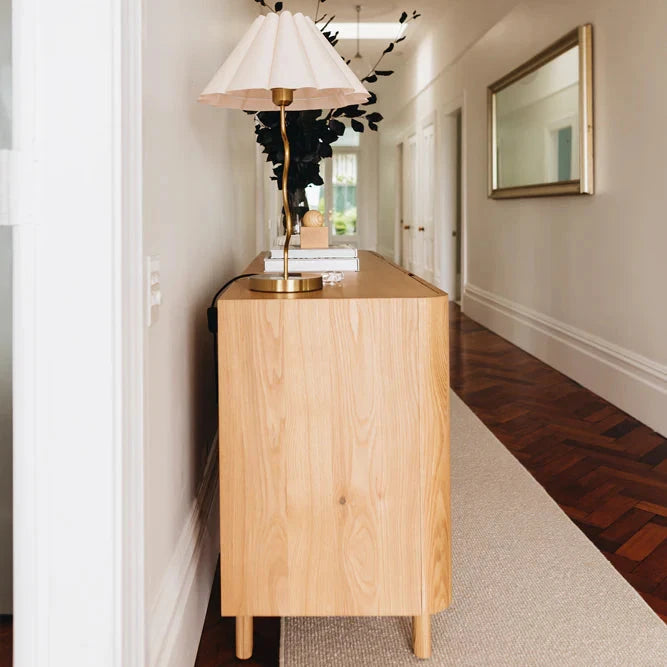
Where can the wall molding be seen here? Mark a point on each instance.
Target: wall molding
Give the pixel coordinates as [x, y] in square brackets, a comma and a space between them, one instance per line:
[129, 303]
[177, 614]
[632, 382]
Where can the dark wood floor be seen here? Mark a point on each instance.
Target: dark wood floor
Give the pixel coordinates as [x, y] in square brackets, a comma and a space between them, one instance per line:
[606, 470]
[217, 644]
[5, 641]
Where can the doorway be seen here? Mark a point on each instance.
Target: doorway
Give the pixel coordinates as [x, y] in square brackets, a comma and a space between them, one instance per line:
[409, 201]
[451, 230]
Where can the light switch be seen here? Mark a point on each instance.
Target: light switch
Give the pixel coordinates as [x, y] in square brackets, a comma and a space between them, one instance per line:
[153, 289]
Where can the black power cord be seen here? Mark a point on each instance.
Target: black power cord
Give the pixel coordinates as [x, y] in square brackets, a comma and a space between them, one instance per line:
[212, 312]
[212, 319]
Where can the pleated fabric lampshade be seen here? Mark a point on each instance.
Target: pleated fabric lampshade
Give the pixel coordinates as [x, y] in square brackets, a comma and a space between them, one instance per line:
[284, 51]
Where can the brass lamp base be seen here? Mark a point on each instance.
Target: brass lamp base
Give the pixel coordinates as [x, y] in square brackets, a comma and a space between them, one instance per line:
[276, 283]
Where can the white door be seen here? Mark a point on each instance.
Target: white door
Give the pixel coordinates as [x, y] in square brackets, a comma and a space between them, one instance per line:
[427, 218]
[410, 201]
[449, 184]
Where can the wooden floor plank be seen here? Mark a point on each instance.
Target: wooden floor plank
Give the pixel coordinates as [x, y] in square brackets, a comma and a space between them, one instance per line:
[643, 542]
[627, 525]
[5, 640]
[618, 485]
[652, 507]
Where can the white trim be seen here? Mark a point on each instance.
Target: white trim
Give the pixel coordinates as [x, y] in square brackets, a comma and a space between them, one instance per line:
[55, 474]
[190, 573]
[458, 104]
[399, 204]
[345, 239]
[5, 187]
[387, 253]
[634, 383]
[130, 530]
[30, 640]
[431, 118]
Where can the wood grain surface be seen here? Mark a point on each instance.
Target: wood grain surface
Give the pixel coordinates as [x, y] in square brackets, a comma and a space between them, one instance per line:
[244, 637]
[328, 457]
[435, 483]
[421, 636]
[377, 279]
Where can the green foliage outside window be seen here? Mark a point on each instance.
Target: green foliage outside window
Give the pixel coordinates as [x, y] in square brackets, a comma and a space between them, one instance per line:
[345, 222]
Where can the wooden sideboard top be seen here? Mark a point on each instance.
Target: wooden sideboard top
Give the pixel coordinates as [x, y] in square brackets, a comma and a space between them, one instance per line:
[377, 278]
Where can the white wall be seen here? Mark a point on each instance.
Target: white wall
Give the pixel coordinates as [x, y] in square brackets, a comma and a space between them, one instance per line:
[5, 72]
[577, 281]
[427, 82]
[5, 329]
[199, 217]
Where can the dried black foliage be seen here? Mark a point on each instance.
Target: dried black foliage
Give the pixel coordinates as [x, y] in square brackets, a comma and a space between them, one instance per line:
[311, 133]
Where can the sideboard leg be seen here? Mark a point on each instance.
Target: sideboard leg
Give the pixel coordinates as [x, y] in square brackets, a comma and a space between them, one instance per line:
[421, 635]
[243, 637]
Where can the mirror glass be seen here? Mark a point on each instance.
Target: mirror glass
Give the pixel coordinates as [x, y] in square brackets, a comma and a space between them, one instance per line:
[541, 123]
[537, 125]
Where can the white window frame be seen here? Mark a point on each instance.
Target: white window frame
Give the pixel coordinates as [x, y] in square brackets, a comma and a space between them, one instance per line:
[335, 239]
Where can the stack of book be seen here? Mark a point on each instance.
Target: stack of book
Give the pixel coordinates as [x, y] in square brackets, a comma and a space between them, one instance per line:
[340, 258]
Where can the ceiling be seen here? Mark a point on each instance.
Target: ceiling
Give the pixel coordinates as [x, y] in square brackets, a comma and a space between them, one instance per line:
[371, 10]
[380, 11]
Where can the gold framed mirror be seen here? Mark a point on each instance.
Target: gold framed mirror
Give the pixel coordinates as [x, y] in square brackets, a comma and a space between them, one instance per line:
[540, 123]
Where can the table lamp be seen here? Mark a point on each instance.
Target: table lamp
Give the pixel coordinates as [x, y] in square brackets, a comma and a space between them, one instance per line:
[284, 60]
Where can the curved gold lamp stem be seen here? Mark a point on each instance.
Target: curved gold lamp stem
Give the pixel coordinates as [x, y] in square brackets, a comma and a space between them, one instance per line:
[299, 282]
[288, 213]
[283, 97]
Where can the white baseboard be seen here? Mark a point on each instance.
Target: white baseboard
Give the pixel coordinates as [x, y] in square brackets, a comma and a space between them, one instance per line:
[633, 383]
[386, 252]
[177, 616]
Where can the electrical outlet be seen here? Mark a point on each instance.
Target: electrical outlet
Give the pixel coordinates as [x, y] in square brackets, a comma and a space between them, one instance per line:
[153, 289]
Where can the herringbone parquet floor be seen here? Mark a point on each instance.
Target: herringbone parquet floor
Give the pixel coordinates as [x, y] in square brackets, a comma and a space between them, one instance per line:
[605, 469]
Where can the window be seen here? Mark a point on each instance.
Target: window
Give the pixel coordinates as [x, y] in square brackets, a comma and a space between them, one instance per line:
[339, 193]
[344, 182]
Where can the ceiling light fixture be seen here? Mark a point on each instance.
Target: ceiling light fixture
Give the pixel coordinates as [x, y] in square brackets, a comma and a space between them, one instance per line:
[358, 65]
[366, 30]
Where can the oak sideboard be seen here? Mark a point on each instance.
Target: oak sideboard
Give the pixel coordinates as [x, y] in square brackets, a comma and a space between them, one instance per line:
[334, 451]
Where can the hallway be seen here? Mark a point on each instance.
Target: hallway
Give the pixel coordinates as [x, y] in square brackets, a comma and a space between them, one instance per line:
[607, 471]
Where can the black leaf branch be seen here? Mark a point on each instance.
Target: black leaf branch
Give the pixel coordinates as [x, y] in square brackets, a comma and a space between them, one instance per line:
[312, 133]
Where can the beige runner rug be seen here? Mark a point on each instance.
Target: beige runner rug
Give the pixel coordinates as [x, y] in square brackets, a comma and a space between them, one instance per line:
[529, 587]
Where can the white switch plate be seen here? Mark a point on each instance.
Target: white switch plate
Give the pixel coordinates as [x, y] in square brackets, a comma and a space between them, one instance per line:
[153, 296]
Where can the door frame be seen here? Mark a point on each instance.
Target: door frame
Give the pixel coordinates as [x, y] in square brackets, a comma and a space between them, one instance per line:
[413, 130]
[453, 106]
[399, 204]
[78, 496]
[434, 119]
